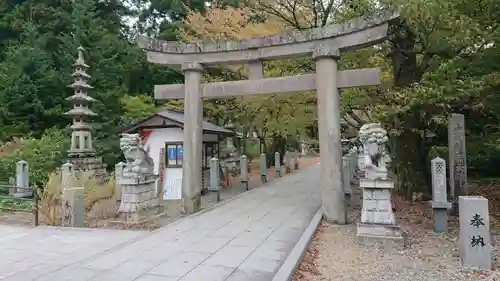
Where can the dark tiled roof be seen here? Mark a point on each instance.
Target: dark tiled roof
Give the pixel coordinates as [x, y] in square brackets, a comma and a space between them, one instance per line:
[178, 117]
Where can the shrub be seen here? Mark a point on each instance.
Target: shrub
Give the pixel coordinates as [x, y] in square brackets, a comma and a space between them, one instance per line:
[99, 198]
[43, 155]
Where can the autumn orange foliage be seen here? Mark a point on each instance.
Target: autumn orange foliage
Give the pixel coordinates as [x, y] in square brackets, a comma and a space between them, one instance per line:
[227, 23]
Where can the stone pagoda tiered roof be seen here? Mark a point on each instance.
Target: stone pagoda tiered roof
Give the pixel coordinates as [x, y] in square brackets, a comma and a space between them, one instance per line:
[80, 99]
[82, 153]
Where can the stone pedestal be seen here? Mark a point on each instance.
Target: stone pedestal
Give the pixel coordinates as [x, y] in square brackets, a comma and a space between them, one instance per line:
[90, 163]
[378, 224]
[139, 200]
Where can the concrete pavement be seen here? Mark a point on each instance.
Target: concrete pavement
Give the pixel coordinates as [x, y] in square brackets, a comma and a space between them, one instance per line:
[247, 238]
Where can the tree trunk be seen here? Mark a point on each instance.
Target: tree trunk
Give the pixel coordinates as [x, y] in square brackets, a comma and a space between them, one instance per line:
[409, 149]
[410, 163]
[278, 144]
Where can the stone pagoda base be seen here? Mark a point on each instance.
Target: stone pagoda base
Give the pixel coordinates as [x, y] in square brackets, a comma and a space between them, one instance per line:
[90, 163]
[378, 224]
[140, 201]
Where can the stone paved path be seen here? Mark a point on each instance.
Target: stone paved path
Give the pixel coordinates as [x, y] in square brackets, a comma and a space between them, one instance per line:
[247, 238]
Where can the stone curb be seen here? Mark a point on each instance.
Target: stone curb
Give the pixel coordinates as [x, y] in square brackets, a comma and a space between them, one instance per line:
[292, 262]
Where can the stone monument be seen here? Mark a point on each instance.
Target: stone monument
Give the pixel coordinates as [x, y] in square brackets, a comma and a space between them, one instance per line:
[82, 154]
[475, 240]
[457, 157]
[22, 187]
[138, 181]
[378, 223]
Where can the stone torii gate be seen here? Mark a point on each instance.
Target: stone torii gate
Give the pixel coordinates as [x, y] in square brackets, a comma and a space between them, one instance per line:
[325, 45]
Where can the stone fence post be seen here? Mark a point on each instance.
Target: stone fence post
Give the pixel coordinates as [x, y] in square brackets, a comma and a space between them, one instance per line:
[214, 188]
[244, 170]
[263, 168]
[277, 164]
[118, 176]
[288, 162]
[296, 161]
[353, 164]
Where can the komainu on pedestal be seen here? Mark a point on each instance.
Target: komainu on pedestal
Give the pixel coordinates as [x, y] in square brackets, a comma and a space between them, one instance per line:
[377, 224]
[139, 197]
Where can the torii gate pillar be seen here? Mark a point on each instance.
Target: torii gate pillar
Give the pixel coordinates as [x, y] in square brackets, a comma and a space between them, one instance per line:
[193, 122]
[329, 134]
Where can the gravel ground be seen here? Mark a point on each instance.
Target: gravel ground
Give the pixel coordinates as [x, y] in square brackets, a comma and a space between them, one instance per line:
[427, 256]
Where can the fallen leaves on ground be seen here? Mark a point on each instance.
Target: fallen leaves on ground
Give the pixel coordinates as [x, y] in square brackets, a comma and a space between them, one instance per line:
[308, 264]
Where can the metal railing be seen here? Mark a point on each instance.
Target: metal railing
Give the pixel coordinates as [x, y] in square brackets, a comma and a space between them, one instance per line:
[12, 202]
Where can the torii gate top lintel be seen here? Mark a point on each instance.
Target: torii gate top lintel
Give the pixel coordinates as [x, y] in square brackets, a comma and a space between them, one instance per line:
[352, 34]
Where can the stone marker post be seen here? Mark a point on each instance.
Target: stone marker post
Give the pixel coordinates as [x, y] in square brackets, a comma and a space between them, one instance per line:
[244, 170]
[118, 176]
[457, 156]
[277, 164]
[440, 204]
[288, 162]
[22, 188]
[296, 161]
[214, 179]
[263, 168]
[475, 243]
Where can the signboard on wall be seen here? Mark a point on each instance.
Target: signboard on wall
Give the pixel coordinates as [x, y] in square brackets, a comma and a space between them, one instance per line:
[180, 152]
[172, 153]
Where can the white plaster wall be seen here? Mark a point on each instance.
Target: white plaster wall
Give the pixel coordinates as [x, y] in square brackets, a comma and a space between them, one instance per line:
[172, 176]
[157, 140]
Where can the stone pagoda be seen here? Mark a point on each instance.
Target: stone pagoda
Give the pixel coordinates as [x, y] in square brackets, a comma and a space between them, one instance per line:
[82, 154]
